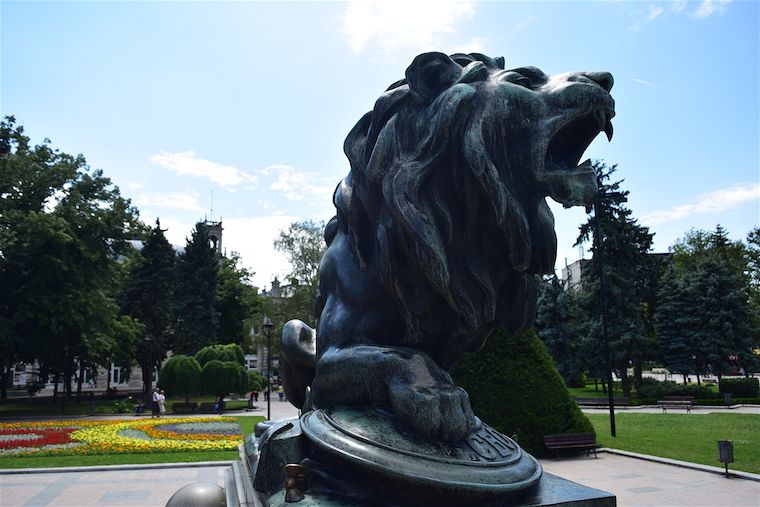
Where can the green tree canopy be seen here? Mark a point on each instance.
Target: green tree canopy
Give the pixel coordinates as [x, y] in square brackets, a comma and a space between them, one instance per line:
[227, 352]
[62, 228]
[237, 302]
[223, 377]
[559, 323]
[197, 316]
[180, 376]
[620, 250]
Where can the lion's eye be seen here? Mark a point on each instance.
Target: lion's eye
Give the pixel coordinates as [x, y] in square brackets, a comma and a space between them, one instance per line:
[518, 79]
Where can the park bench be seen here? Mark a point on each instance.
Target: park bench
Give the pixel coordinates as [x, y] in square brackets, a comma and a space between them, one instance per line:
[179, 408]
[206, 407]
[571, 441]
[620, 401]
[676, 402]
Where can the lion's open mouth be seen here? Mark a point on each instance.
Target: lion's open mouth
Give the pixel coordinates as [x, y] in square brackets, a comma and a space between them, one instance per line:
[568, 144]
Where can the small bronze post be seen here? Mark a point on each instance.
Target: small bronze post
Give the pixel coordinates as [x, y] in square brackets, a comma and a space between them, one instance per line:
[295, 483]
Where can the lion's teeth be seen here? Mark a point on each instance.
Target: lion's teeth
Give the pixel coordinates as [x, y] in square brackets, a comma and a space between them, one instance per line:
[608, 129]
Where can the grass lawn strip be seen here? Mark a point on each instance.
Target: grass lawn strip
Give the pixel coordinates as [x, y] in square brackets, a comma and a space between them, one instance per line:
[686, 437]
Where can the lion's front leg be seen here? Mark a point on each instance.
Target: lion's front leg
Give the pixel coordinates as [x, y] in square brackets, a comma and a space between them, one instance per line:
[408, 382]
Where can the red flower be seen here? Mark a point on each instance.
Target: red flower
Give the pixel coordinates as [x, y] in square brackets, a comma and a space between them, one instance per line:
[47, 436]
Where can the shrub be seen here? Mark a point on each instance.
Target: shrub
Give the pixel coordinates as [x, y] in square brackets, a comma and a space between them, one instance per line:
[514, 387]
[256, 381]
[180, 376]
[218, 377]
[654, 389]
[740, 387]
[228, 352]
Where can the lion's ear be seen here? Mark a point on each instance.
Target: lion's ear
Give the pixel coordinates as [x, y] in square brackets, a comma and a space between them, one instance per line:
[430, 74]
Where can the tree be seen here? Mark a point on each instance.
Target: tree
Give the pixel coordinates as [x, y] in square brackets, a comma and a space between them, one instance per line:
[148, 295]
[237, 301]
[620, 248]
[228, 352]
[514, 387]
[197, 316]
[559, 324]
[180, 376]
[62, 228]
[707, 319]
[256, 381]
[222, 378]
[304, 245]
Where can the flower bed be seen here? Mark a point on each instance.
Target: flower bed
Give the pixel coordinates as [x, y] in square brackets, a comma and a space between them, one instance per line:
[119, 436]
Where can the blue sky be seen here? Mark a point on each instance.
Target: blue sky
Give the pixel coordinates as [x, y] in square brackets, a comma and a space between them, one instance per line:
[251, 101]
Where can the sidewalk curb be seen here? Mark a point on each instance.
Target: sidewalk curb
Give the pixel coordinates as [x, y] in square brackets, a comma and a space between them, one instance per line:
[114, 468]
[736, 474]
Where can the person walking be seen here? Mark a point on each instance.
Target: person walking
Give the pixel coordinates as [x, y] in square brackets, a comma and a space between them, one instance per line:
[154, 407]
[161, 403]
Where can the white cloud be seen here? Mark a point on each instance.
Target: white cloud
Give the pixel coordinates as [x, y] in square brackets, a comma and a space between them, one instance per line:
[678, 6]
[298, 184]
[186, 163]
[646, 83]
[176, 231]
[719, 200]
[709, 7]
[252, 238]
[176, 200]
[394, 24]
[654, 12]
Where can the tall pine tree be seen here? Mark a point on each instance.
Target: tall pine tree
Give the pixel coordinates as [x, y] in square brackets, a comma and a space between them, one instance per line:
[620, 249]
[197, 316]
[149, 294]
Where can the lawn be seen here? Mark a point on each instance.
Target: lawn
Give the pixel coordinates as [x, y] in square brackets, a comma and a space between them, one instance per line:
[246, 425]
[686, 437]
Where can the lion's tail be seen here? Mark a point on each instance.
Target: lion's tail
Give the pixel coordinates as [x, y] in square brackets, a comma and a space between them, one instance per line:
[298, 354]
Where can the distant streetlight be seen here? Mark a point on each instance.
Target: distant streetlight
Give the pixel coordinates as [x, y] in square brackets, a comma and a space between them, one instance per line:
[599, 251]
[147, 371]
[268, 326]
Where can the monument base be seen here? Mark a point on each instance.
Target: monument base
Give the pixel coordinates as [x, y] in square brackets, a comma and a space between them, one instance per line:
[257, 479]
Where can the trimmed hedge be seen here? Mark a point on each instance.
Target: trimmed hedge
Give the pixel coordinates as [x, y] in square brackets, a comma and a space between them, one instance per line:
[740, 387]
[514, 387]
[654, 389]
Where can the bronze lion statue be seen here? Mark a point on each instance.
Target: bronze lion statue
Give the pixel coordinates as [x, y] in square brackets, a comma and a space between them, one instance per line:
[441, 229]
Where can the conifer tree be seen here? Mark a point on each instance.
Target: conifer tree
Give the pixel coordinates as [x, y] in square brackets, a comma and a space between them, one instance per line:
[197, 317]
[620, 248]
[149, 294]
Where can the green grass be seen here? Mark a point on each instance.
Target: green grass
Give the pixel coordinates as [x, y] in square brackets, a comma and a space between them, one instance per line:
[247, 424]
[687, 437]
[589, 392]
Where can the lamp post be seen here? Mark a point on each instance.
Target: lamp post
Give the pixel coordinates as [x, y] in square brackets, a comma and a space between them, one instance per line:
[268, 326]
[599, 251]
[147, 371]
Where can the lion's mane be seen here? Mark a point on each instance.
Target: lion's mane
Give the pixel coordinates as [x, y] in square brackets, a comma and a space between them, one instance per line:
[433, 203]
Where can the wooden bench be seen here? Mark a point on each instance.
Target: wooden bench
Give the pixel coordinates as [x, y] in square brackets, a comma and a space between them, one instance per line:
[206, 407]
[619, 401]
[179, 408]
[677, 402]
[571, 441]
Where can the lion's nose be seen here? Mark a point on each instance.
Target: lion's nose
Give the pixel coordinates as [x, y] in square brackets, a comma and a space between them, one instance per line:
[603, 79]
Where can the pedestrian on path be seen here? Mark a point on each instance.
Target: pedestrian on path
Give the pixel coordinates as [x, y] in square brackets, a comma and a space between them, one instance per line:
[161, 403]
[154, 407]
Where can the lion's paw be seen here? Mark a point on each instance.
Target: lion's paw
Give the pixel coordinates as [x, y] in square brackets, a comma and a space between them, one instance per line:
[440, 412]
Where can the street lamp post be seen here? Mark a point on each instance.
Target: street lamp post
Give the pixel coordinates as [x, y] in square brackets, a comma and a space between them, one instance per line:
[147, 371]
[599, 251]
[268, 326]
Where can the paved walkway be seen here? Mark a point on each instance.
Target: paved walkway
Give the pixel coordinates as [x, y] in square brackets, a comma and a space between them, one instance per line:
[636, 482]
[142, 487]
